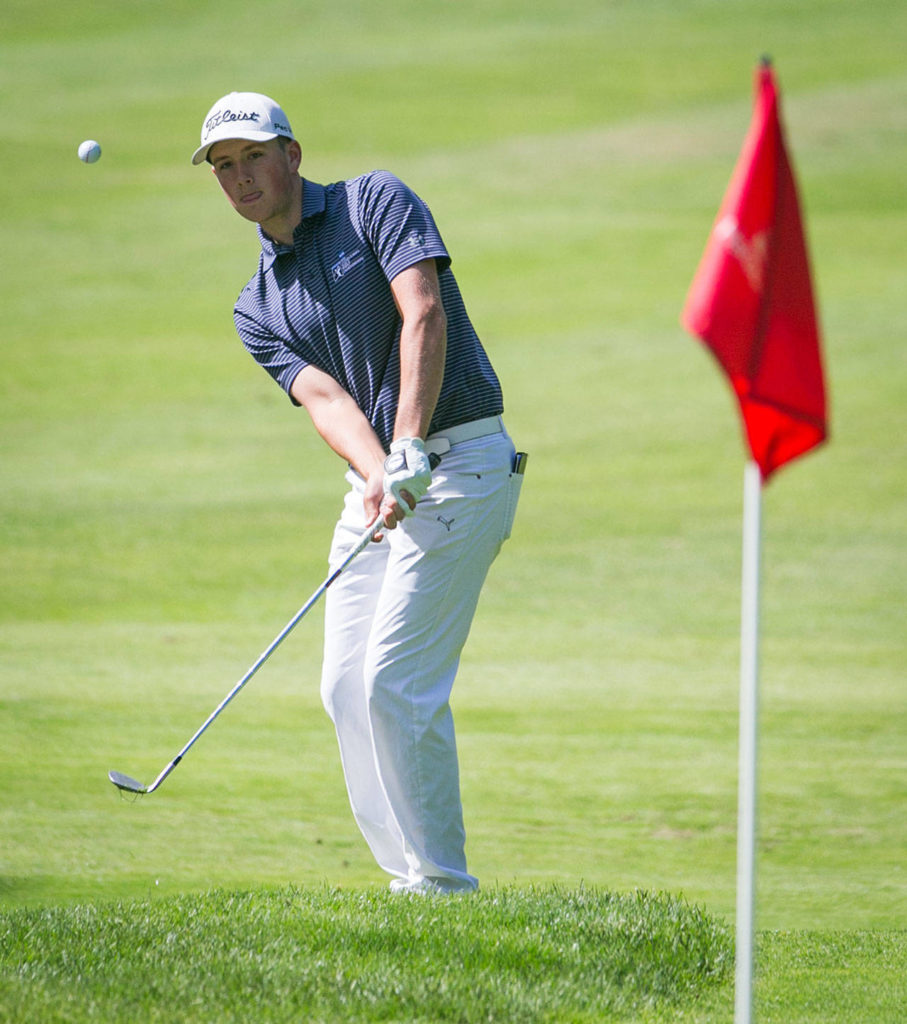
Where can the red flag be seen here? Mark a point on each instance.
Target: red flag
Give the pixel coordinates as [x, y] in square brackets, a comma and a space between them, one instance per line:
[751, 301]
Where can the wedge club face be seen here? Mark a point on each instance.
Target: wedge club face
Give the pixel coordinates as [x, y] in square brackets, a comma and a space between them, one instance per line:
[125, 783]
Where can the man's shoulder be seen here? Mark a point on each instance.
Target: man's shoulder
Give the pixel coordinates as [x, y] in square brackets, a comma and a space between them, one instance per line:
[250, 298]
[253, 296]
[373, 184]
[377, 177]
[359, 191]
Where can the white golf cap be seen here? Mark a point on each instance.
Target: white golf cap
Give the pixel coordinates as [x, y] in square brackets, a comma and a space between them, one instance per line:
[242, 115]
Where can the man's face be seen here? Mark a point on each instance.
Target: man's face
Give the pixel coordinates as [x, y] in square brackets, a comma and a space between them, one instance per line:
[260, 179]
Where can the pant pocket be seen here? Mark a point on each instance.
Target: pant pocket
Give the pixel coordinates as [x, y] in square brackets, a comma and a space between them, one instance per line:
[514, 486]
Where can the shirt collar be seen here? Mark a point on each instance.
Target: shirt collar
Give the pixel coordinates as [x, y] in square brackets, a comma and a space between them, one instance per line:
[313, 204]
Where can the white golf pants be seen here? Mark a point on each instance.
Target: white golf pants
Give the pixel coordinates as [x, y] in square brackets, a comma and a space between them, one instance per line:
[395, 623]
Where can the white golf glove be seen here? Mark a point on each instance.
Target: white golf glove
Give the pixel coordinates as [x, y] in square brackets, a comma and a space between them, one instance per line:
[407, 468]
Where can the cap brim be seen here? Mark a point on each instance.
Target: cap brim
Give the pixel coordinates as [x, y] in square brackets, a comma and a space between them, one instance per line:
[201, 154]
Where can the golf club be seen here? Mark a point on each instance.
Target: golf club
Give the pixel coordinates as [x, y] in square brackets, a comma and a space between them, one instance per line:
[130, 785]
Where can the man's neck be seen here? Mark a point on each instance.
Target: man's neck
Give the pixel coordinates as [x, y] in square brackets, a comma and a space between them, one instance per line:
[282, 228]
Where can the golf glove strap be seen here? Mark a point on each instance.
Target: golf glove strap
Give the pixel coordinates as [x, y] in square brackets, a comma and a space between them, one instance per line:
[407, 468]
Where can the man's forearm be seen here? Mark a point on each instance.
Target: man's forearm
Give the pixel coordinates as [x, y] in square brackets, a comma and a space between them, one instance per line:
[423, 347]
[339, 420]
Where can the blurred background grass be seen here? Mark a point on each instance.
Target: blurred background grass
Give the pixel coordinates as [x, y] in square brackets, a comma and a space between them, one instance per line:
[164, 510]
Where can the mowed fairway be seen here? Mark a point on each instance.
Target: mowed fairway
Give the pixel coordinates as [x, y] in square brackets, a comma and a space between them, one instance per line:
[164, 510]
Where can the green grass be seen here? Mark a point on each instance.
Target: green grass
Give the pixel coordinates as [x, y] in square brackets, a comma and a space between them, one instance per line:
[164, 511]
[528, 954]
[317, 955]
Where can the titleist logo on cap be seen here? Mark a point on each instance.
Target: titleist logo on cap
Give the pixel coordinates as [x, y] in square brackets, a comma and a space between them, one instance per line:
[226, 116]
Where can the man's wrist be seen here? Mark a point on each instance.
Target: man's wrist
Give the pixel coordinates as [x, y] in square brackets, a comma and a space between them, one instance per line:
[402, 443]
[407, 471]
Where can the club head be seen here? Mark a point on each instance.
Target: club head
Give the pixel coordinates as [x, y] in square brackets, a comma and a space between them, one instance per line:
[125, 783]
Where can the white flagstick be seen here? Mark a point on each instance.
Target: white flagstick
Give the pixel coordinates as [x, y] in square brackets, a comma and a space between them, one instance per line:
[749, 730]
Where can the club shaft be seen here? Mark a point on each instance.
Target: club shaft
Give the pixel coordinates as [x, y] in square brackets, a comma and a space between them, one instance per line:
[359, 546]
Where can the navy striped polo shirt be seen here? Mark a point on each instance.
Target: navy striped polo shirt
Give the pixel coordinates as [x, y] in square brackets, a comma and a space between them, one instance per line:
[326, 301]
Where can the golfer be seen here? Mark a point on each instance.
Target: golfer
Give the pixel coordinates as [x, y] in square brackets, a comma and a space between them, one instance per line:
[355, 313]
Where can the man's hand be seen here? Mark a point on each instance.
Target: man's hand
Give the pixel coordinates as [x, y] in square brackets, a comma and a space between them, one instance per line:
[407, 473]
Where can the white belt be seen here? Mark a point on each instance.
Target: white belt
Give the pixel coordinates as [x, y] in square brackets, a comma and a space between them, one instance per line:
[442, 441]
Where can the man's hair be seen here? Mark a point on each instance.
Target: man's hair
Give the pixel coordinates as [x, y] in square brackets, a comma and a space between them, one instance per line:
[281, 140]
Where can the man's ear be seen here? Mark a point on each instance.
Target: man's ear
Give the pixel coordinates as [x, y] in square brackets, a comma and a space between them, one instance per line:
[294, 153]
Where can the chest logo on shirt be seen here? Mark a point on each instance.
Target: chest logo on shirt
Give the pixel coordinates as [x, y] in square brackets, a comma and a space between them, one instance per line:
[346, 263]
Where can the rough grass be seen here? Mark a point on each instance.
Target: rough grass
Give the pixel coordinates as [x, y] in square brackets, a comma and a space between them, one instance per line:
[325, 955]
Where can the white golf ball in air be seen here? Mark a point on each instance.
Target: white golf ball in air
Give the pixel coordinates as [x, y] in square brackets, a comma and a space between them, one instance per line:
[90, 151]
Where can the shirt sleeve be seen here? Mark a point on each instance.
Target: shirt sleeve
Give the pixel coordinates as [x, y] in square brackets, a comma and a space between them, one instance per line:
[398, 224]
[281, 362]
